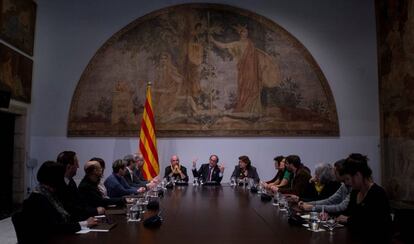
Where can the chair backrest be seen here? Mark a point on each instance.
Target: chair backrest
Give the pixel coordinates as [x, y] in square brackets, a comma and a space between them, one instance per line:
[18, 223]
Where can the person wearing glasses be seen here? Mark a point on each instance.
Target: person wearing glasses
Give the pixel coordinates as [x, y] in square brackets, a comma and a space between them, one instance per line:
[210, 172]
[175, 170]
[245, 170]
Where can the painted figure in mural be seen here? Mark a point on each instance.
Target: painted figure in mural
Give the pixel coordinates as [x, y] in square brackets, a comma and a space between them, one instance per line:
[167, 89]
[255, 69]
[122, 104]
[195, 58]
[8, 78]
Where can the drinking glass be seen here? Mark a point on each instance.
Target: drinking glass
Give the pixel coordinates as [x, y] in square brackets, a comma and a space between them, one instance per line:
[195, 181]
[141, 205]
[153, 195]
[260, 188]
[146, 198]
[128, 210]
[331, 224]
[233, 181]
[314, 221]
[164, 183]
[276, 199]
[313, 215]
[314, 224]
[134, 213]
[283, 204]
[172, 180]
[250, 183]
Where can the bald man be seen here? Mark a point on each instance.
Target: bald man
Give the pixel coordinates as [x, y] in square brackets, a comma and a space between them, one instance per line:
[89, 189]
[175, 170]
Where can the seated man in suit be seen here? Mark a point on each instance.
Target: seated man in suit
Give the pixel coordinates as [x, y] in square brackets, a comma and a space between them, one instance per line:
[131, 178]
[209, 172]
[134, 174]
[175, 170]
[116, 184]
[68, 193]
[101, 185]
[89, 190]
[245, 170]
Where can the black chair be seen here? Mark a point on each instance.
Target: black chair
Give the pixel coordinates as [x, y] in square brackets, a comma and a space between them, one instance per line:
[403, 228]
[18, 223]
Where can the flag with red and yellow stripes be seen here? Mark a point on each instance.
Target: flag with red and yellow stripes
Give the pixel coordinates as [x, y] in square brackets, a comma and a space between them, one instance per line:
[147, 139]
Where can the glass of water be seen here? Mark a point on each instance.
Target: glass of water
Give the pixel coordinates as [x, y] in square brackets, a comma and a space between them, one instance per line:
[195, 181]
[250, 183]
[233, 181]
[276, 199]
[283, 204]
[331, 224]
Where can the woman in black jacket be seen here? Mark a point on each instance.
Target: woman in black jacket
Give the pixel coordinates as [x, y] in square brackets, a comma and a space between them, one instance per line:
[43, 215]
[368, 214]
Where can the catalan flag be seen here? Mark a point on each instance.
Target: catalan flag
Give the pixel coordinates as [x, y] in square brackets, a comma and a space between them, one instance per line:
[147, 139]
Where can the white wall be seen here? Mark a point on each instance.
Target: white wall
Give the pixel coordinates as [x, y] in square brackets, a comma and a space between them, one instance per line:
[340, 35]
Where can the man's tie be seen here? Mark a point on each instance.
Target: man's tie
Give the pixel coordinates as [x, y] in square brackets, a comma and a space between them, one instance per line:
[210, 173]
[72, 184]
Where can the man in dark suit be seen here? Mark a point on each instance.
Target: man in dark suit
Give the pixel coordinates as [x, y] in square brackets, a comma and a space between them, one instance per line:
[209, 172]
[130, 174]
[116, 183]
[89, 190]
[175, 170]
[68, 193]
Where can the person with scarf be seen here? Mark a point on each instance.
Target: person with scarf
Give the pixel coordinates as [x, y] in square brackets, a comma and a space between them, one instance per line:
[43, 215]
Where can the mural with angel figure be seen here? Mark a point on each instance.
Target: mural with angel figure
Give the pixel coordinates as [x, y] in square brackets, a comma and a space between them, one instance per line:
[214, 70]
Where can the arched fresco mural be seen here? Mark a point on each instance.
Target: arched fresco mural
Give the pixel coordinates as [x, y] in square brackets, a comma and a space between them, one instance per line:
[215, 70]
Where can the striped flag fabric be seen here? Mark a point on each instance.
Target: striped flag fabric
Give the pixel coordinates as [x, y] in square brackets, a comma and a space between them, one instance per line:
[148, 140]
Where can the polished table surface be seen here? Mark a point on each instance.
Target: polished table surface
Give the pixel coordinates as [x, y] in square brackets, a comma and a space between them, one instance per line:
[212, 214]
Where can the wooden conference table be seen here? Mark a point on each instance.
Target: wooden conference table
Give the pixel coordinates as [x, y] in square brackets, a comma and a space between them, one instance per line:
[212, 214]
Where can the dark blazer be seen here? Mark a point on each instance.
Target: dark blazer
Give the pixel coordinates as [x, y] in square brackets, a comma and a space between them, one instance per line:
[310, 193]
[91, 194]
[135, 181]
[251, 173]
[168, 171]
[300, 180]
[202, 173]
[68, 195]
[118, 187]
[371, 218]
[39, 220]
[139, 174]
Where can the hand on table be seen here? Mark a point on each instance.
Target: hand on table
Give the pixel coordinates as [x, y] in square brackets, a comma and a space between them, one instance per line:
[292, 198]
[91, 221]
[100, 210]
[142, 189]
[342, 219]
[305, 206]
[274, 188]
